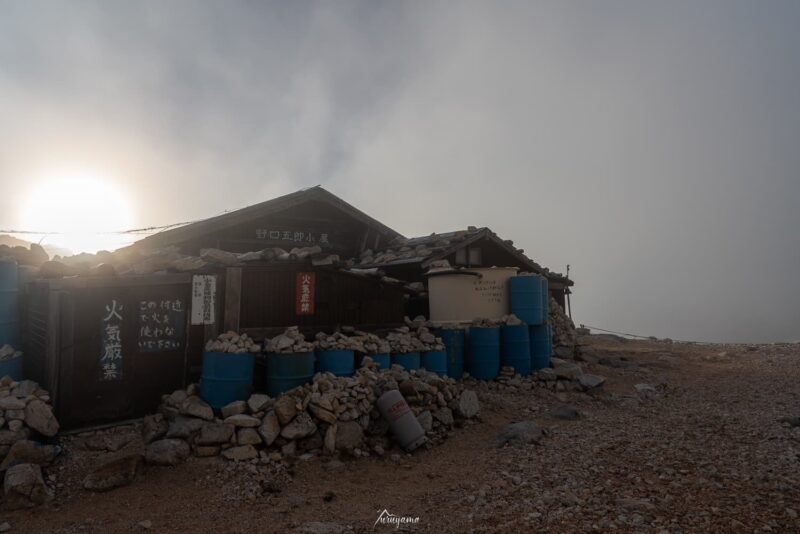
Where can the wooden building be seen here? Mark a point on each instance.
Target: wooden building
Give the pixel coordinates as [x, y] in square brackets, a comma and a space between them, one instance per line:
[304, 218]
[409, 259]
[107, 347]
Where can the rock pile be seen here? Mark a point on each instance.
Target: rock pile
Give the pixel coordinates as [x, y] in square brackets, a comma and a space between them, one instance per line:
[234, 343]
[510, 320]
[483, 322]
[339, 341]
[154, 261]
[562, 376]
[24, 410]
[291, 341]
[404, 339]
[564, 334]
[33, 256]
[374, 344]
[330, 415]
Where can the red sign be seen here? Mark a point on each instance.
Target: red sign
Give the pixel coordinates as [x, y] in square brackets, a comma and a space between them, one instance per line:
[304, 294]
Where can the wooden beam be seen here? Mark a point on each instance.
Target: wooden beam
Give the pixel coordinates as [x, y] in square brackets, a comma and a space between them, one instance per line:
[233, 298]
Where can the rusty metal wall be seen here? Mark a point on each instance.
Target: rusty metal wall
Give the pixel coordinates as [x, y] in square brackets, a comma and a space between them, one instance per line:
[85, 396]
[36, 330]
[268, 299]
[66, 343]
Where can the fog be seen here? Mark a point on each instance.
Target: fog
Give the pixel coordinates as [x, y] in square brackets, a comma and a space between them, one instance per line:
[653, 147]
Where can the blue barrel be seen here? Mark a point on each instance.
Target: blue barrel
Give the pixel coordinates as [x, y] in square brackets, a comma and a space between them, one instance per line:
[540, 346]
[435, 361]
[409, 360]
[545, 300]
[226, 377]
[287, 371]
[384, 361]
[9, 287]
[483, 359]
[526, 298]
[454, 341]
[339, 362]
[12, 367]
[517, 348]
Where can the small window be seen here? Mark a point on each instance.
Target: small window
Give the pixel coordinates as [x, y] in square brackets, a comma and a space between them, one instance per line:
[475, 256]
[461, 256]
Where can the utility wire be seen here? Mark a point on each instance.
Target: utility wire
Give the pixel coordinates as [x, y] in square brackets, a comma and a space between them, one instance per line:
[145, 230]
[648, 337]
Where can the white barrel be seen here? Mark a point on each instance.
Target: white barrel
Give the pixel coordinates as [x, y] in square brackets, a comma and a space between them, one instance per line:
[402, 421]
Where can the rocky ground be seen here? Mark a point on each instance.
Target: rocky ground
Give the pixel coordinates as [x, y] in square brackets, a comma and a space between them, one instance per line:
[682, 438]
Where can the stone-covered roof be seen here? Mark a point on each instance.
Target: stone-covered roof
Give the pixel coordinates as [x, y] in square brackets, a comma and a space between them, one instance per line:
[426, 249]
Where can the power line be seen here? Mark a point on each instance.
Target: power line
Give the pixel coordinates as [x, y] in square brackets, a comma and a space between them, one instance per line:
[145, 230]
[132, 231]
[646, 337]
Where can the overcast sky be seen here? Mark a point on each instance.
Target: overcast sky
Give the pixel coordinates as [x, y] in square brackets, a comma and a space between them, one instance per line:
[653, 146]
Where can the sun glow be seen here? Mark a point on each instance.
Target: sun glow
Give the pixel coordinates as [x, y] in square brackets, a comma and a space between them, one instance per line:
[83, 212]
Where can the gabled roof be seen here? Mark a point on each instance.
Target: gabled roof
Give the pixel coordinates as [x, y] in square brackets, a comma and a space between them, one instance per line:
[256, 211]
[425, 250]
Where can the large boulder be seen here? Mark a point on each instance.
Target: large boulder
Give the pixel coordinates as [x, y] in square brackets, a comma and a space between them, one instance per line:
[214, 255]
[301, 426]
[24, 487]
[29, 452]
[569, 372]
[115, 472]
[444, 415]
[194, 406]
[154, 427]
[285, 409]
[248, 436]
[426, 420]
[215, 434]
[270, 428]
[39, 416]
[547, 374]
[184, 427]
[468, 405]
[12, 403]
[258, 402]
[189, 263]
[25, 388]
[349, 435]
[9, 437]
[167, 452]
[322, 413]
[589, 381]
[243, 420]
[234, 408]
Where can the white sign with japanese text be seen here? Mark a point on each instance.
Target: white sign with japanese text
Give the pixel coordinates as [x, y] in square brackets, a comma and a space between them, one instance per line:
[204, 292]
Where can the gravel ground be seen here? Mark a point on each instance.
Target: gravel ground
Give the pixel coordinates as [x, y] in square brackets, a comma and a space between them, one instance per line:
[703, 450]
